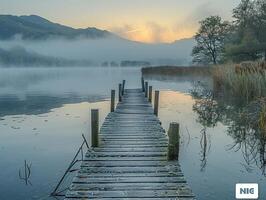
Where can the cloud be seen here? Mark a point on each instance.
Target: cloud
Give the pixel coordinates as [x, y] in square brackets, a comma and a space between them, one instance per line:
[190, 24]
[150, 32]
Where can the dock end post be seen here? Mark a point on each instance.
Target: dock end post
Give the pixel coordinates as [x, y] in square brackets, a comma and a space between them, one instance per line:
[150, 93]
[112, 100]
[174, 140]
[156, 102]
[142, 84]
[94, 127]
[123, 87]
[120, 92]
[146, 89]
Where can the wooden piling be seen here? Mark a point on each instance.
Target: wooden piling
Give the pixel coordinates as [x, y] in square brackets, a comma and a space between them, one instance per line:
[131, 160]
[123, 87]
[94, 127]
[173, 145]
[146, 89]
[120, 92]
[112, 100]
[150, 93]
[156, 102]
[142, 84]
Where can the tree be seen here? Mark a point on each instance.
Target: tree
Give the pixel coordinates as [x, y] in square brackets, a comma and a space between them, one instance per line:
[210, 40]
[248, 41]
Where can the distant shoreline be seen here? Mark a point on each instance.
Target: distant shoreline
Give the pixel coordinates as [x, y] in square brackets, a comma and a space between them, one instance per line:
[177, 70]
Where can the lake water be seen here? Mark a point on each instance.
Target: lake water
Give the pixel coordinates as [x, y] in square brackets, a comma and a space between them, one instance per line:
[44, 112]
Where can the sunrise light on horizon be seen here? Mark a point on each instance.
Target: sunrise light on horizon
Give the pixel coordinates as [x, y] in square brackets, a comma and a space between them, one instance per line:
[144, 21]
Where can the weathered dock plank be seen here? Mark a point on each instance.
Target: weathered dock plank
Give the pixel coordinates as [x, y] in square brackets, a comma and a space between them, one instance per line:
[131, 160]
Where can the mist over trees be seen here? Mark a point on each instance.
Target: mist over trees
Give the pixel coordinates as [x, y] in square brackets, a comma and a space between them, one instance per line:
[243, 39]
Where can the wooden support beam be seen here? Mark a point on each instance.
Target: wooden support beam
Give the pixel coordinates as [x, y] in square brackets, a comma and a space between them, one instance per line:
[150, 93]
[156, 102]
[120, 92]
[174, 139]
[123, 87]
[142, 84]
[146, 89]
[94, 127]
[112, 100]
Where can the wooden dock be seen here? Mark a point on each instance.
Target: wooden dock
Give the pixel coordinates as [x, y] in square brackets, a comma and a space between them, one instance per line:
[131, 160]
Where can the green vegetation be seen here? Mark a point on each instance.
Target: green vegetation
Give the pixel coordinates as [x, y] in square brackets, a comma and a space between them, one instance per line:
[246, 81]
[240, 41]
[243, 39]
[210, 40]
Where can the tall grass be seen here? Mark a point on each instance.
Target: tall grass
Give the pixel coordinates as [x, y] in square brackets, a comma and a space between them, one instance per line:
[244, 82]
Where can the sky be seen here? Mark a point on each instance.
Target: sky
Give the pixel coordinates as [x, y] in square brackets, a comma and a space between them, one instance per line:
[150, 21]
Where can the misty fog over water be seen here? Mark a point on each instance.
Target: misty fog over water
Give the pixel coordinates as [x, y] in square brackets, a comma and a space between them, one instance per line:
[44, 111]
[97, 51]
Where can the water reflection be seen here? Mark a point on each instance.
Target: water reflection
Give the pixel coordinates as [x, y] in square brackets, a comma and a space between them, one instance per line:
[245, 127]
[39, 104]
[25, 173]
[37, 91]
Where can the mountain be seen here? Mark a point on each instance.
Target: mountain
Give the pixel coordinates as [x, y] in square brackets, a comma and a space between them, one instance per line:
[33, 40]
[19, 56]
[34, 27]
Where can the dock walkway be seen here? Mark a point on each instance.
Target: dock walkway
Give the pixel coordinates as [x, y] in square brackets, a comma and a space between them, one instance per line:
[131, 160]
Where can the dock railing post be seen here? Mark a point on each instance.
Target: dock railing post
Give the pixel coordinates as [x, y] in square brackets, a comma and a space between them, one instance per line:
[120, 92]
[146, 89]
[94, 127]
[142, 84]
[156, 102]
[123, 87]
[112, 100]
[150, 93]
[173, 145]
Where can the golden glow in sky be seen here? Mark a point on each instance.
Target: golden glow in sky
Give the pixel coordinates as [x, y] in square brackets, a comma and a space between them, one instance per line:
[150, 21]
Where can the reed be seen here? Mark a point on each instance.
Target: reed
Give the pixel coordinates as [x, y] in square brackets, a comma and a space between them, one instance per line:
[177, 70]
[245, 81]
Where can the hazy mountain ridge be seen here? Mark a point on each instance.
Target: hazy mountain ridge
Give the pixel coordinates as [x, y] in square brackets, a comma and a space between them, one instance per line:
[39, 39]
[34, 27]
[19, 56]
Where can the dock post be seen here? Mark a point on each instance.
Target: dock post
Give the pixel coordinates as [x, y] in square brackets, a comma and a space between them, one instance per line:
[146, 89]
[112, 100]
[150, 93]
[123, 87]
[156, 102]
[120, 92]
[94, 127]
[142, 84]
[173, 145]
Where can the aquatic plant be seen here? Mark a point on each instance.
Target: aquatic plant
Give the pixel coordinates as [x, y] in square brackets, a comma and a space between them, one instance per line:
[244, 82]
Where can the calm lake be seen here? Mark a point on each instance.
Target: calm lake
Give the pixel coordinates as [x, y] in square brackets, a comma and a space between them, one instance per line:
[45, 111]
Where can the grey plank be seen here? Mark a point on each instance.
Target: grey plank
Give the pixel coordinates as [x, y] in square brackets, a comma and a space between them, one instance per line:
[180, 192]
[127, 186]
[131, 162]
